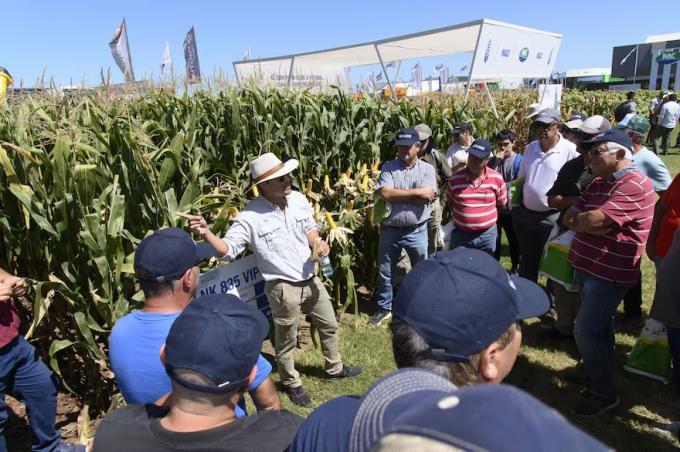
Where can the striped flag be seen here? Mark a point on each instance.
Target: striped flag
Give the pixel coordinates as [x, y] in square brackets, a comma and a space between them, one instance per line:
[191, 56]
[121, 52]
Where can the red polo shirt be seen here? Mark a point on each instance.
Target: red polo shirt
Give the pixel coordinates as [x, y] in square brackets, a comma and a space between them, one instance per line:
[474, 204]
[671, 220]
[9, 322]
[628, 200]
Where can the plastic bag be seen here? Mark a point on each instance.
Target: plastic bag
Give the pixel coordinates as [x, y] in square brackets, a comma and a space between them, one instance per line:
[651, 356]
[445, 235]
[515, 192]
[555, 263]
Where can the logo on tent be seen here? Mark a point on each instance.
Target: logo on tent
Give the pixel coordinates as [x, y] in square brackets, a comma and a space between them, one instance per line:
[487, 52]
[505, 53]
[523, 54]
[539, 56]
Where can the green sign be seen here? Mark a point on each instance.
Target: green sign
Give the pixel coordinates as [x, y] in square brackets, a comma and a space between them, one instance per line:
[668, 56]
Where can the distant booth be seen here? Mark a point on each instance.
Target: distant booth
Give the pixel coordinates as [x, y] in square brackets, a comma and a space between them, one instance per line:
[499, 51]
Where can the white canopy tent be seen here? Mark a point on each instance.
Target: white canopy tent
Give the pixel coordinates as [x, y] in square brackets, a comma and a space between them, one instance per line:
[500, 50]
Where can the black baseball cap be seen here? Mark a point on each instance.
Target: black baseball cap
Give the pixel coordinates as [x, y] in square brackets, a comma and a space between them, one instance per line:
[461, 127]
[166, 254]
[407, 137]
[218, 336]
[463, 300]
[480, 148]
[615, 136]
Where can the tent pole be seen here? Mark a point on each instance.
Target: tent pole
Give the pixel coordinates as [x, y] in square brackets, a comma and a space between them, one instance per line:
[238, 80]
[290, 72]
[493, 105]
[387, 77]
[472, 65]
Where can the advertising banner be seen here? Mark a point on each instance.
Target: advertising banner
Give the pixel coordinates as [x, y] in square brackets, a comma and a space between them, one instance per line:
[241, 278]
[513, 52]
[276, 73]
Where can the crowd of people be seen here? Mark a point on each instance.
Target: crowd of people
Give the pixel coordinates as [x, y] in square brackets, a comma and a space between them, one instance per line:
[184, 363]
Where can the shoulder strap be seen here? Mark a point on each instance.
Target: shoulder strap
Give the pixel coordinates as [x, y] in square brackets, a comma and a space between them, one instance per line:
[515, 166]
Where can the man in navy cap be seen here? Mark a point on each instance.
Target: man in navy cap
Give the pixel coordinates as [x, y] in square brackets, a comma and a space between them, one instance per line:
[457, 315]
[166, 267]
[474, 195]
[408, 185]
[412, 409]
[210, 356]
[612, 219]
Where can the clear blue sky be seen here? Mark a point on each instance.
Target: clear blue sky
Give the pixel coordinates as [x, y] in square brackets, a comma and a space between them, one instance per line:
[69, 39]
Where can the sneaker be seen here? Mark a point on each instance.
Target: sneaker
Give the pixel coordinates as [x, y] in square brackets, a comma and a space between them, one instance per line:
[592, 405]
[379, 317]
[549, 319]
[346, 372]
[299, 396]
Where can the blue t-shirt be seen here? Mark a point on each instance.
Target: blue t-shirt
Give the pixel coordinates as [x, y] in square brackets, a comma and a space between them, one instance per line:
[134, 351]
[649, 164]
[328, 427]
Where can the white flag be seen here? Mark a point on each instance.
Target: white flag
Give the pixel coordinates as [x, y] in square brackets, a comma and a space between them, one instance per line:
[166, 60]
[417, 76]
[379, 76]
[370, 85]
[121, 52]
[246, 56]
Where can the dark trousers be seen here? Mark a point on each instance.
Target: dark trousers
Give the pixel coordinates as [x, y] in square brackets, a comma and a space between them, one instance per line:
[24, 376]
[674, 345]
[632, 301]
[505, 225]
[532, 230]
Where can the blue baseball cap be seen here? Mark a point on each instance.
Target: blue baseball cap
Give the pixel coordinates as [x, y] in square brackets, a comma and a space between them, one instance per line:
[615, 136]
[480, 148]
[474, 418]
[463, 300]
[218, 336]
[166, 254]
[407, 137]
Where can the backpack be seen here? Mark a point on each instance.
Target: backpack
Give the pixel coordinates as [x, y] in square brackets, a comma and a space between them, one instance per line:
[515, 166]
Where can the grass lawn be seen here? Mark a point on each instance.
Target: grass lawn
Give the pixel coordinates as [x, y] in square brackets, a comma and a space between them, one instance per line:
[645, 403]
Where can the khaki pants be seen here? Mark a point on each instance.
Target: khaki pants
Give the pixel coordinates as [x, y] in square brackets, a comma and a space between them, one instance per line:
[433, 224]
[287, 299]
[566, 305]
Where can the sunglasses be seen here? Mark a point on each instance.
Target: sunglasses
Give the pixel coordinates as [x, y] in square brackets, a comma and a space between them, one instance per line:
[504, 144]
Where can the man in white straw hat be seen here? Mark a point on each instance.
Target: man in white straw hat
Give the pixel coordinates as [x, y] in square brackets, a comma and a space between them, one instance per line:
[279, 229]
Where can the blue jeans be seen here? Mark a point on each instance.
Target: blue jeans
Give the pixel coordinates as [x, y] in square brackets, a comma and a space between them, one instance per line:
[594, 331]
[481, 240]
[392, 241]
[28, 379]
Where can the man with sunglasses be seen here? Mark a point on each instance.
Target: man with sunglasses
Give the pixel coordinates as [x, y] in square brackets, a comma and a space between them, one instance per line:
[572, 179]
[534, 219]
[279, 228]
[612, 219]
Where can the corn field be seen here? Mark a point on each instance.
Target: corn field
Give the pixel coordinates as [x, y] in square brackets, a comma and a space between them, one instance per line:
[85, 179]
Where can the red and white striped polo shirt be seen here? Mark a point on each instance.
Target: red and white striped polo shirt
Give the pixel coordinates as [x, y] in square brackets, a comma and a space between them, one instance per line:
[474, 204]
[628, 200]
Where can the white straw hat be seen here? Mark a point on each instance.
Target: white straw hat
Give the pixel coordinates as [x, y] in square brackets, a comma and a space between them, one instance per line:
[268, 166]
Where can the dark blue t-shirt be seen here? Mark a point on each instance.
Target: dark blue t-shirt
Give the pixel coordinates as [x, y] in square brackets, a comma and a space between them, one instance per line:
[134, 351]
[328, 427]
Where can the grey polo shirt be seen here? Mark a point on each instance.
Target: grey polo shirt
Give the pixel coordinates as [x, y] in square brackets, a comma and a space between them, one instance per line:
[395, 174]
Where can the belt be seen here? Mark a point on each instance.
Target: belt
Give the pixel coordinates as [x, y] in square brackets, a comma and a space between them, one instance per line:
[404, 228]
[545, 213]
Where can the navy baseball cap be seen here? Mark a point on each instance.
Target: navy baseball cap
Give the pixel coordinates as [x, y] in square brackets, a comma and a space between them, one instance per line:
[548, 116]
[461, 301]
[482, 417]
[480, 148]
[407, 137]
[166, 254]
[614, 135]
[461, 127]
[218, 336]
